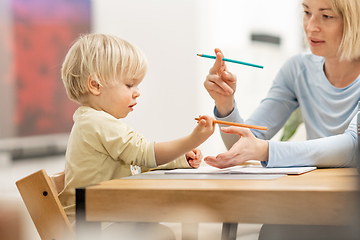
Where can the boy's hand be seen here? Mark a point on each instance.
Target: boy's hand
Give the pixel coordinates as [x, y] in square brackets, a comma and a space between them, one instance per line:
[204, 129]
[194, 158]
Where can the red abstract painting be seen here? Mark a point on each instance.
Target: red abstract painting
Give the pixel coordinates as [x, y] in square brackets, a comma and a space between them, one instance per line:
[43, 31]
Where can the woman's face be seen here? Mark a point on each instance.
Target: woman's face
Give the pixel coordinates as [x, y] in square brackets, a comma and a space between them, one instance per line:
[323, 28]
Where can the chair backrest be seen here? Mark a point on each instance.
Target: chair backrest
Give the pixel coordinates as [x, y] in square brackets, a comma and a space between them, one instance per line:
[44, 207]
[58, 181]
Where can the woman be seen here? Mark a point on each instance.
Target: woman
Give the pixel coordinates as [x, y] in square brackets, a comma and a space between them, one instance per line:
[325, 84]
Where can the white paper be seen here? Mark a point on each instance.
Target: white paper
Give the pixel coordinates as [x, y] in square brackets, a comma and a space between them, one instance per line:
[200, 170]
[262, 170]
[243, 169]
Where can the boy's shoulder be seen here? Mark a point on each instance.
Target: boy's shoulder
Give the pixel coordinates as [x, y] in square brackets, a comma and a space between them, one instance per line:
[87, 117]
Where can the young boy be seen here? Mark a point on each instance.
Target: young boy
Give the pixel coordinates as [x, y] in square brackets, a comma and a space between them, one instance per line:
[102, 73]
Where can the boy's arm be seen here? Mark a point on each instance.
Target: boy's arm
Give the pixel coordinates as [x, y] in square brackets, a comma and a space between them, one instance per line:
[190, 160]
[180, 162]
[171, 150]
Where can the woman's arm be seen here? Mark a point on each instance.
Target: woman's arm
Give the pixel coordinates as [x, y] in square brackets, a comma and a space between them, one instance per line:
[334, 151]
[274, 110]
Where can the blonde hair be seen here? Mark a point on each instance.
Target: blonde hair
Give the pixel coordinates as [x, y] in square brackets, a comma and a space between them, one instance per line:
[104, 58]
[349, 10]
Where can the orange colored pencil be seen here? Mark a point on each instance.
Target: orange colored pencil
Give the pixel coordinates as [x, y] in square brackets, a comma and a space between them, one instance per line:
[237, 124]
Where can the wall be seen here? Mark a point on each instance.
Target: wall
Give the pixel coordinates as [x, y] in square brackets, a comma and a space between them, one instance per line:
[172, 32]
[166, 32]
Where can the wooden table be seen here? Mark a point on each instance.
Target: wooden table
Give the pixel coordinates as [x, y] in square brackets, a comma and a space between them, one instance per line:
[320, 197]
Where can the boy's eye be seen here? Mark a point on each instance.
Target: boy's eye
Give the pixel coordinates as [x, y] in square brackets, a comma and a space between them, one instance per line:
[129, 85]
[327, 16]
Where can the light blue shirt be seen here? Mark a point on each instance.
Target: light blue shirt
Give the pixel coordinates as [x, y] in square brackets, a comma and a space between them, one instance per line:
[329, 115]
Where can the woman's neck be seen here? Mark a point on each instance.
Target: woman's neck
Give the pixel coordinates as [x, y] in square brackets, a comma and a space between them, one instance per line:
[341, 73]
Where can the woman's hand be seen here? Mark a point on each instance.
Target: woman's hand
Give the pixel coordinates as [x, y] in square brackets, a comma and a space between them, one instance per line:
[194, 158]
[248, 147]
[221, 85]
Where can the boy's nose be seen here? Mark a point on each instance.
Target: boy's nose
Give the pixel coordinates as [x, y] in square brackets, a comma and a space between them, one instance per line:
[136, 94]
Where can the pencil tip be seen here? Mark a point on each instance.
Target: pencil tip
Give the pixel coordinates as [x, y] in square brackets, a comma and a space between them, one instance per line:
[199, 55]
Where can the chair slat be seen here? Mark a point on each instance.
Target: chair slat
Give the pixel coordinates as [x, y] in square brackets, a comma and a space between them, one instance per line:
[44, 207]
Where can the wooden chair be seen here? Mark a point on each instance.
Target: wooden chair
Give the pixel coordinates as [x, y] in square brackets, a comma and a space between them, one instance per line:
[40, 195]
[58, 181]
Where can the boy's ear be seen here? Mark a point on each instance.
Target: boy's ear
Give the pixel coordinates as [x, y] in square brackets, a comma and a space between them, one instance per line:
[94, 85]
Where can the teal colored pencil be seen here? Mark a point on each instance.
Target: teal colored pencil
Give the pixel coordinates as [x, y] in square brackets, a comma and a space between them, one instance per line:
[230, 60]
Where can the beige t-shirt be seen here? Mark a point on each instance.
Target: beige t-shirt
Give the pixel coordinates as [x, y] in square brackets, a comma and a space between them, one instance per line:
[102, 148]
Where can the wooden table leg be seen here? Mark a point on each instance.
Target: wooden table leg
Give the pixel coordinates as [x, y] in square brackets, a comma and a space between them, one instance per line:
[85, 230]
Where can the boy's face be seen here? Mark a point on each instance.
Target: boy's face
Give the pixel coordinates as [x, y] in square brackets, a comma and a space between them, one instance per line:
[119, 100]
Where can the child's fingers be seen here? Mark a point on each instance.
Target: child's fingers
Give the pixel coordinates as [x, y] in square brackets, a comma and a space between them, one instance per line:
[206, 118]
[198, 154]
[202, 122]
[194, 164]
[191, 155]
